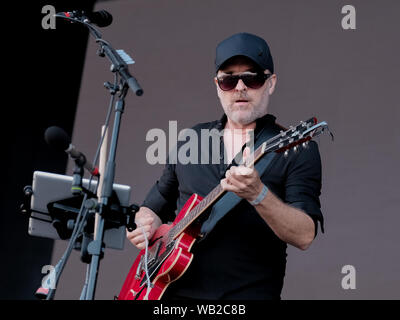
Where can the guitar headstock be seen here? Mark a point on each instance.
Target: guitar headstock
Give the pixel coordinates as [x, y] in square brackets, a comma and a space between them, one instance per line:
[296, 137]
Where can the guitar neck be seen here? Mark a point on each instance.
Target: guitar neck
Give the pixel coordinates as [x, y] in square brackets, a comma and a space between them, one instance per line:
[283, 141]
[209, 200]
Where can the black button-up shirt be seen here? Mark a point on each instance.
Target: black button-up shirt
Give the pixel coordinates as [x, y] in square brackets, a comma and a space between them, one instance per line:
[241, 258]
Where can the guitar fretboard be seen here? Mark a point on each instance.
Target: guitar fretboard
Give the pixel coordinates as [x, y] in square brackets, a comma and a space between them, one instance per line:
[282, 141]
[207, 201]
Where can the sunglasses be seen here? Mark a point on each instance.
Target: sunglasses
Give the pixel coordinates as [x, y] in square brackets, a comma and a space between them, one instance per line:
[253, 81]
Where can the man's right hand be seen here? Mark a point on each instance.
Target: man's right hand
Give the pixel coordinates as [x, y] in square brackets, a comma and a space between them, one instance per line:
[147, 220]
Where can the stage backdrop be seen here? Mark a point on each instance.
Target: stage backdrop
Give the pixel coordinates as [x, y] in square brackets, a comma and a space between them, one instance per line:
[349, 78]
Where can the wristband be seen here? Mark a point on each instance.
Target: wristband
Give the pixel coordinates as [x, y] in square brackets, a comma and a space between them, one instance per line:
[260, 197]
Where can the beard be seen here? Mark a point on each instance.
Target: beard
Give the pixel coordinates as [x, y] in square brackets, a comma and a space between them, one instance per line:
[245, 115]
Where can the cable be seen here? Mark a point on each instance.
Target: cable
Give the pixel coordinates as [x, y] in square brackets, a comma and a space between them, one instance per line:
[146, 270]
[62, 262]
[106, 124]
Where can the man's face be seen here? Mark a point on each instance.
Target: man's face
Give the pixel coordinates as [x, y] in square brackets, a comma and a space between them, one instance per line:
[243, 105]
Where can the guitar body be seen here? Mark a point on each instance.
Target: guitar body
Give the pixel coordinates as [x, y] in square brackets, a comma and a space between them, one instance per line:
[169, 263]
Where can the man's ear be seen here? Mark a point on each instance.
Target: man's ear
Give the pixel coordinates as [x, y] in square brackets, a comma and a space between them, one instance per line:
[216, 81]
[272, 83]
[217, 87]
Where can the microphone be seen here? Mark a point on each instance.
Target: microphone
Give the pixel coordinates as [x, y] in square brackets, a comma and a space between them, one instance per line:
[59, 139]
[100, 18]
[103, 18]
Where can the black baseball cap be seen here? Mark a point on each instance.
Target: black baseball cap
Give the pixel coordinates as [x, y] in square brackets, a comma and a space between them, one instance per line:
[244, 44]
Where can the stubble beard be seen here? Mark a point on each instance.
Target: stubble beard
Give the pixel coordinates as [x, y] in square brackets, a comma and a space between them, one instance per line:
[245, 117]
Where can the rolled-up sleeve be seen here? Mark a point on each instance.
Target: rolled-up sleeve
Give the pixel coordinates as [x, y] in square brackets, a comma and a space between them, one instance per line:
[303, 183]
[163, 196]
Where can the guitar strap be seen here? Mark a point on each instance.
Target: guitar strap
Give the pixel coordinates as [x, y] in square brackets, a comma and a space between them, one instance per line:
[229, 200]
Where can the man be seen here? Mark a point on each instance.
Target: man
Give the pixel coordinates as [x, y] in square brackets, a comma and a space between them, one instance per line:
[244, 255]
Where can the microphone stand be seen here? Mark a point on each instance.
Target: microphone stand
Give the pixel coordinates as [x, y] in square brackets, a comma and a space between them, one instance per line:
[96, 247]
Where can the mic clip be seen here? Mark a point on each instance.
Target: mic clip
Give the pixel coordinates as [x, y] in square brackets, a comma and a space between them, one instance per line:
[111, 87]
[130, 222]
[25, 207]
[77, 188]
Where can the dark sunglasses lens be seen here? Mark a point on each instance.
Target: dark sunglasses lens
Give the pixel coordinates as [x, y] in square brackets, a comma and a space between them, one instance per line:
[253, 81]
[228, 82]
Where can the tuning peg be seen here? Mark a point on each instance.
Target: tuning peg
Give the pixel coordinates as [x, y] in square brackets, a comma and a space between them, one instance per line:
[295, 148]
[305, 145]
[286, 153]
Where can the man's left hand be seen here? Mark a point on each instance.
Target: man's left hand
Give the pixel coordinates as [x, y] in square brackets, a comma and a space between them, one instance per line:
[243, 181]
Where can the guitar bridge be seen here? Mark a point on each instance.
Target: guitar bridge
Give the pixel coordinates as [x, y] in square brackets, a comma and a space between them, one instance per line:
[139, 269]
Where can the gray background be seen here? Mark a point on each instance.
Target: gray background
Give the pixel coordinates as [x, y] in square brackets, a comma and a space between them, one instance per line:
[349, 78]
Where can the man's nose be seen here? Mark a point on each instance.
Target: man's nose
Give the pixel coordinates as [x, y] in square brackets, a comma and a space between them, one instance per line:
[240, 85]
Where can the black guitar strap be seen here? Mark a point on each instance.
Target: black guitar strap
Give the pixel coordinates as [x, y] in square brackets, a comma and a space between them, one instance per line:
[229, 200]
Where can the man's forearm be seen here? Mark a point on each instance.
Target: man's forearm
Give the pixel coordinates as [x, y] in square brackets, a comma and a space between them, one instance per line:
[291, 225]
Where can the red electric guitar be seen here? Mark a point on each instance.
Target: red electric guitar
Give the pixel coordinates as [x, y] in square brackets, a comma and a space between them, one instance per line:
[168, 255]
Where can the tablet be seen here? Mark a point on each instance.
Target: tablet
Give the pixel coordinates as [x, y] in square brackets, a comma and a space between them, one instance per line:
[50, 187]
